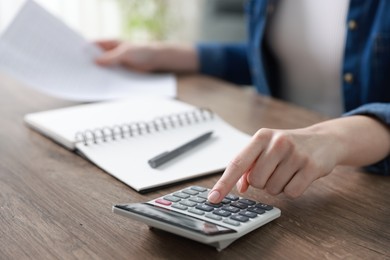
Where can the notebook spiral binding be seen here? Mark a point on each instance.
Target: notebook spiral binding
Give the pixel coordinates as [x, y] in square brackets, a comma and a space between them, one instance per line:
[117, 132]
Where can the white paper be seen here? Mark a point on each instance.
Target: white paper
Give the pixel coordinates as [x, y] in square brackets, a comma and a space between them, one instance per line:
[41, 51]
[126, 158]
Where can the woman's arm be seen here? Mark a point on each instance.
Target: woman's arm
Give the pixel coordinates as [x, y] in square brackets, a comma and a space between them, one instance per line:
[288, 161]
[149, 57]
[226, 61]
[380, 111]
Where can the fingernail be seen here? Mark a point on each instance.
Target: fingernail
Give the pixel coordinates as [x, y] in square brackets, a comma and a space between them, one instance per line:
[213, 196]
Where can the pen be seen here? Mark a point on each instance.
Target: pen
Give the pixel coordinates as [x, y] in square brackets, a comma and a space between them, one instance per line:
[169, 155]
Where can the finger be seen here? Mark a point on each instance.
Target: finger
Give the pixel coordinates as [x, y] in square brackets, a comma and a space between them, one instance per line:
[139, 69]
[277, 151]
[242, 184]
[112, 57]
[236, 168]
[107, 44]
[299, 183]
[282, 175]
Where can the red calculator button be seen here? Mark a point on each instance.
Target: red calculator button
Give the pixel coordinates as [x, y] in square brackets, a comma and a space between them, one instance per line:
[163, 202]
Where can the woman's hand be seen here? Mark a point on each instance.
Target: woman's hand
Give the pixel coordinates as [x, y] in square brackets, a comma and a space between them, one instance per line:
[151, 57]
[288, 161]
[280, 161]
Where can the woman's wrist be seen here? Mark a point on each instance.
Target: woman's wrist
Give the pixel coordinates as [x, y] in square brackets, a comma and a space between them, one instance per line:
[178, 58]
[355, 140]
[334, 148]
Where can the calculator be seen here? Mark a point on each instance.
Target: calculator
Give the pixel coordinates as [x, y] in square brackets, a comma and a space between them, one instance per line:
[187, 213]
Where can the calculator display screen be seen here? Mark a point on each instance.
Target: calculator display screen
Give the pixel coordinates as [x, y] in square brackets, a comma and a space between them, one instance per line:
[177, 219]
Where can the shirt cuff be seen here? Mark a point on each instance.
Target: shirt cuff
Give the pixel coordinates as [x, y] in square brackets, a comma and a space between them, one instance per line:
[211, 59]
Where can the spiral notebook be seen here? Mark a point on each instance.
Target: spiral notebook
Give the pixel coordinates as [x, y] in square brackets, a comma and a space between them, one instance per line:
[121, 136]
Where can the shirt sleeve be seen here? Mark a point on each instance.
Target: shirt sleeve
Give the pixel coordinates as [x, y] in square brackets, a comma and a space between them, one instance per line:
[380, 111]
[228, 61]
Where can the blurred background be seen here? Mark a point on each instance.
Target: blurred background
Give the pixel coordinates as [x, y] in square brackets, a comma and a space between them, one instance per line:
[145, 20]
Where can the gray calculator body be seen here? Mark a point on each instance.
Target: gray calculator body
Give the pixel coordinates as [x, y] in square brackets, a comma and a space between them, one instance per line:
[187, 213]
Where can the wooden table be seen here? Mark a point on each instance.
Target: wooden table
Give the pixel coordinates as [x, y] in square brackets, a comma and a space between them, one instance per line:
[54, 204]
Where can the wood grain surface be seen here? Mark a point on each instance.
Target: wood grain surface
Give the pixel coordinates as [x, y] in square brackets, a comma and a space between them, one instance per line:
[56, 205]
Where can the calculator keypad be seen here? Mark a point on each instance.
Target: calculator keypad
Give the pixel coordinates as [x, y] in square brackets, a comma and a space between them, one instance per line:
[233, 210]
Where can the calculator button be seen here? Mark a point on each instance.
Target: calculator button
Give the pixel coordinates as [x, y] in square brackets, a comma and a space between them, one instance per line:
[256, 210]
[213, 216]
[231, 222]
[239, 205]
[231, 209]
[163, 202]
[221, 212]
[226, 201]
[264, 206]
[196, 211]
[204, 195]
[204, 207]
[179, 206]
[181, 195]
[248, 214]
[172, 198]
[214, 205]
[247, 202]
[197, 199]
[231, 197]
[188, 203]
[239, 218]
[198, 188]
[191, 192]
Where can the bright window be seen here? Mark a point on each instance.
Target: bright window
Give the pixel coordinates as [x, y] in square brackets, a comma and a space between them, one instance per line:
[139, 20]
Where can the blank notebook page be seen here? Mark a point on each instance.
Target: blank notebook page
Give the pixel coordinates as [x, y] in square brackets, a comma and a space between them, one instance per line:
[126, 157]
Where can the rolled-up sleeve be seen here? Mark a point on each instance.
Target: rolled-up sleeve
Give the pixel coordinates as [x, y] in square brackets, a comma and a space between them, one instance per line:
[228, 61]
[380, 111]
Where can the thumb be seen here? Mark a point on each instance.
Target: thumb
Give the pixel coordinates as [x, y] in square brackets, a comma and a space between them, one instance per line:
[111, 57]
[242, 184]
[107, 45]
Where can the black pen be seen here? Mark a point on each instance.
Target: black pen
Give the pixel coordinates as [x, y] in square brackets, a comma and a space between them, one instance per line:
[169, 155]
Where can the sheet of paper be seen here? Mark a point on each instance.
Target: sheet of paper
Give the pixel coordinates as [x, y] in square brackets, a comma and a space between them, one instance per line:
[41, 51]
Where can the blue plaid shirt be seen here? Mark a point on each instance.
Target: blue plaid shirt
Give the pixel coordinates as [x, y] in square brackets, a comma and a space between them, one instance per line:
[366, 64]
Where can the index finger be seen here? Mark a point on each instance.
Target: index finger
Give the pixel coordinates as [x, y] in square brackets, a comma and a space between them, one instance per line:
[236, 168]
[107, 44]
